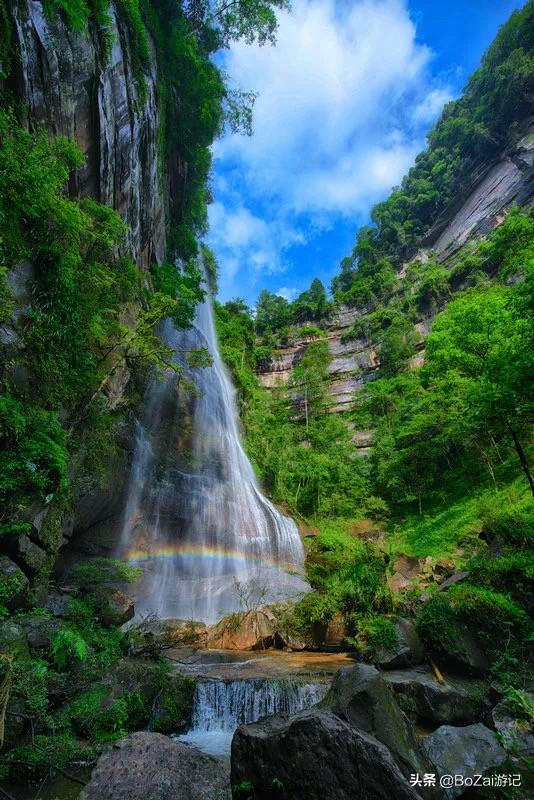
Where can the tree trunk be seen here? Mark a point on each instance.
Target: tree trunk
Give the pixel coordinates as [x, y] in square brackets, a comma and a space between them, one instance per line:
[523, 460]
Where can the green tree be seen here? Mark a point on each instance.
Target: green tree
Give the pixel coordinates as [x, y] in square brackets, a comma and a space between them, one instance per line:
[311, 305]
[485, 337]
[272, 313]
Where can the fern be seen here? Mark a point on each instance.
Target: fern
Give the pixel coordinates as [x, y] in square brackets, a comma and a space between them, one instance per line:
[68, 646]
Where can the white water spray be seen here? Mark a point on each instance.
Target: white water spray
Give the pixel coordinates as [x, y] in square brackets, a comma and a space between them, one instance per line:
[195, 517]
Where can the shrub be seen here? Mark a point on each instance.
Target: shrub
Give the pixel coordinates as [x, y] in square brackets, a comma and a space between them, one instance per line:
[97, 715]
[33, 456]
[512, 571]
[374, 633]
[499, 624]
[174, 704]
[511, 518]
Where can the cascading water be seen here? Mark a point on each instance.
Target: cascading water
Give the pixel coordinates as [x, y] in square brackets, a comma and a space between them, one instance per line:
[195, 517]
[221, 706]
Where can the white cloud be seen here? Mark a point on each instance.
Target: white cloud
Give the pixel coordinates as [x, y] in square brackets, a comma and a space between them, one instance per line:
[289, 292]
[430, 106]
[247, 246]
[344, 100]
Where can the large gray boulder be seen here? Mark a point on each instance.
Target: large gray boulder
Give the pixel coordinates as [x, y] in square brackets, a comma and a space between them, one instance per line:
[355, 743]
[516, 734]
[32, 558]
[472, 750]
[360, 696]
[409, 650]
[458, 701]
[314, 756]
[113, 607]
[150, 766]
[40, 631]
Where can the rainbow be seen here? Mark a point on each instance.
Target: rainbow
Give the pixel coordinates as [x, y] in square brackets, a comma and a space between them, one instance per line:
[213, 553]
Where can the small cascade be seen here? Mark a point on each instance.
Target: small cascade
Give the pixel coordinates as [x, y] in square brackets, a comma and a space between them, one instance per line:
[221, 706]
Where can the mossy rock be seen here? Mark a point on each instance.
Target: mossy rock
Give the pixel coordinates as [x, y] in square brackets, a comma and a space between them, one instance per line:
[174, 705]
[13, 639]
[14, 584]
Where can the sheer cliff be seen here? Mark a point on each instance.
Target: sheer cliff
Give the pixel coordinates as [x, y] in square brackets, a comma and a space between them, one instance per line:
[497, 185]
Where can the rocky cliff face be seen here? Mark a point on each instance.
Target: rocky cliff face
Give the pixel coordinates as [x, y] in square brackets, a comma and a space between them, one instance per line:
[76, 85]
[492, 191]
[68, 84]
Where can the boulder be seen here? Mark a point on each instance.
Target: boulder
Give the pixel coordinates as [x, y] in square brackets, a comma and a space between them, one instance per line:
[58, 604]
[361, 697]
[428, 702]
[444, 567]
[409, 650]
[173, 632]
[14, 583]
[13, 639]
[405, 570]
[330, 635]
[466, 655]
[252, 630]
[150, 766]
[113, 607]
[355, 743]
[32, 557]
[472, 750]
[516, 734]
[315, 755]
[40, 631]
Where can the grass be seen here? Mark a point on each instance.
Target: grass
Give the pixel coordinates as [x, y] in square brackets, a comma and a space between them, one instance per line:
[443, 530]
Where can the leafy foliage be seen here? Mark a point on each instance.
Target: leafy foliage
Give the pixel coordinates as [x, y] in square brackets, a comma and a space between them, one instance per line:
[68, 646]
[470, 131]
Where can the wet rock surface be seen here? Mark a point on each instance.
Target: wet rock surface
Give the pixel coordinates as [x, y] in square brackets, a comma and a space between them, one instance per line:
[355, 743]
[149, 766]
[409, 650]
[360, 696]
[466, 751]
[457, 701]
[315, 755]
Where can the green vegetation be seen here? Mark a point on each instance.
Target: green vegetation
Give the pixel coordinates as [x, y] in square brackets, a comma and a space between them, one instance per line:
[470, 131]
[83, 690]
[448, 477]
[72, 338]
[276, 317]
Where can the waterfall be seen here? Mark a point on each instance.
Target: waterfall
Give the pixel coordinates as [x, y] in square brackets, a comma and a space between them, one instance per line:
[221, 706]
[195, 518]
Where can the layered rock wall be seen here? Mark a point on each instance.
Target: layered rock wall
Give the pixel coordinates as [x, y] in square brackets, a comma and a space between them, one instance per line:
[493, 190]
[74, 85]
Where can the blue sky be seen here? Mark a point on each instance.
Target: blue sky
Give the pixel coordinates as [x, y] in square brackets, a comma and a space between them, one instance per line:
[344, 102]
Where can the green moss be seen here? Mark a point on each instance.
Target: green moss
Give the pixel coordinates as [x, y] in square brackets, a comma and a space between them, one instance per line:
[174, 704]
[375, 634]
[99, 570]
[498, 623]
[11, 586]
